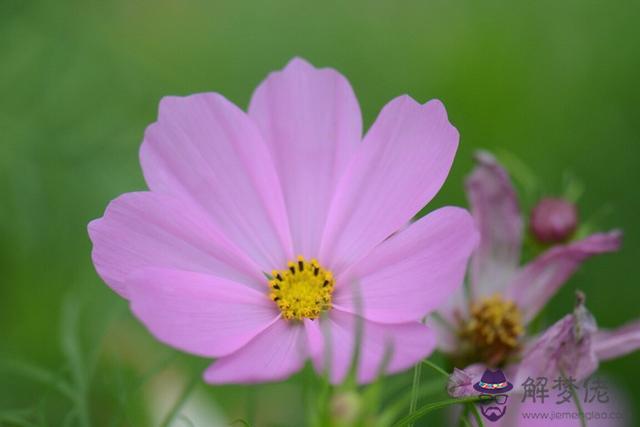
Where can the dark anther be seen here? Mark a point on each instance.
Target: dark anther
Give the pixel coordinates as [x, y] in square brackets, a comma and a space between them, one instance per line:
[279, 277]
[325, 284]
[292, 269]
[316, 271]
[301, 265]
[276, 287]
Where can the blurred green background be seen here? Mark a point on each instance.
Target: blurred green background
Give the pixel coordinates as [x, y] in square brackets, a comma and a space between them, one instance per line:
[553, 84]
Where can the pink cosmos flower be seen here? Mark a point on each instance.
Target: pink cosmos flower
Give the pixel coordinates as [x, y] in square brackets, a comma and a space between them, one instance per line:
[259, 226]
[487, 324]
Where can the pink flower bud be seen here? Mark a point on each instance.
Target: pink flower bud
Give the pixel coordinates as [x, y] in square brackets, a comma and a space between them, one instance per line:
[553, 220]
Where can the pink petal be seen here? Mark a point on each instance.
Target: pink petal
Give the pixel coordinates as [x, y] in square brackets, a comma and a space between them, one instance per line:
[406, 343]
[311, 121]
[401, 164]
[413, 272]
[559, 349]
[198, 313]
[149, 229]
[614, 343]
[445, 320]
[445, 331]
[461, 381]
[315, 338]
[273, 355]
[538, 281]
[206, 150]
[495, 208]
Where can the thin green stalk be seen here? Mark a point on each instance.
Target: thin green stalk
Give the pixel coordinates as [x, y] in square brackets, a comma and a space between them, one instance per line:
[417, 375]
[251, 405]
[463, 422]
[371, 395]
[432, 407]
[476, 414]
[15, 420]
[426, 389]
[327, 354]
[325, 389]
[17, 417]
[435, 367]
[352, 376]
[38, 374]
[126, 396]
[75, 359]
[576, 400]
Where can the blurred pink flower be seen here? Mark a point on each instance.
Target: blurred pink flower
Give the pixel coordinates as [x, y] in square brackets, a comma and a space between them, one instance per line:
[487, 324]
[289, 191]
[504, 297]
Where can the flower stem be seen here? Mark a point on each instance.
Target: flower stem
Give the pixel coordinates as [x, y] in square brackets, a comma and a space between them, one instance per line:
[435, 367]
[576, 400]
[417, 374]
[476, 414]
[406, 421]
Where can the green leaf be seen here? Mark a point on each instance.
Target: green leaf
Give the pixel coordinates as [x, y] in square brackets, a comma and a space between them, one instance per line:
[37, 374]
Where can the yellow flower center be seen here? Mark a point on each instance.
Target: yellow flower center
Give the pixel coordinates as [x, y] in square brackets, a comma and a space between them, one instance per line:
[303, 290]
[493, 329]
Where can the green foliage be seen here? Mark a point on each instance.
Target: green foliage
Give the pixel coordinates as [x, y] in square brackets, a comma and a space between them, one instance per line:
[552, 83]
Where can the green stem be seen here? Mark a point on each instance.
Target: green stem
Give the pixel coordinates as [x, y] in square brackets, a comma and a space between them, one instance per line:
[417, 374]
[476, 414]
[76, 362]
[426, 389]
[576, 400]
[352, 377]
[432, 407]
[435, 367]
[463, 422]
[38, 374]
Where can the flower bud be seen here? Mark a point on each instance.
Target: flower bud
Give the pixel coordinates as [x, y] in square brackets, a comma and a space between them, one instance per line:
[345, 408]
[553, 220]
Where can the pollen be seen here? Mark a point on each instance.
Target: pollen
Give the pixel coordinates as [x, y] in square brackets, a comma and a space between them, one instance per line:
[493, 329]
[303, 290]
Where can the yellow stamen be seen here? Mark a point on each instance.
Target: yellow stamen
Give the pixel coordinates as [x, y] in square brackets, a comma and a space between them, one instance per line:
[493, 328]
[303, 290]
